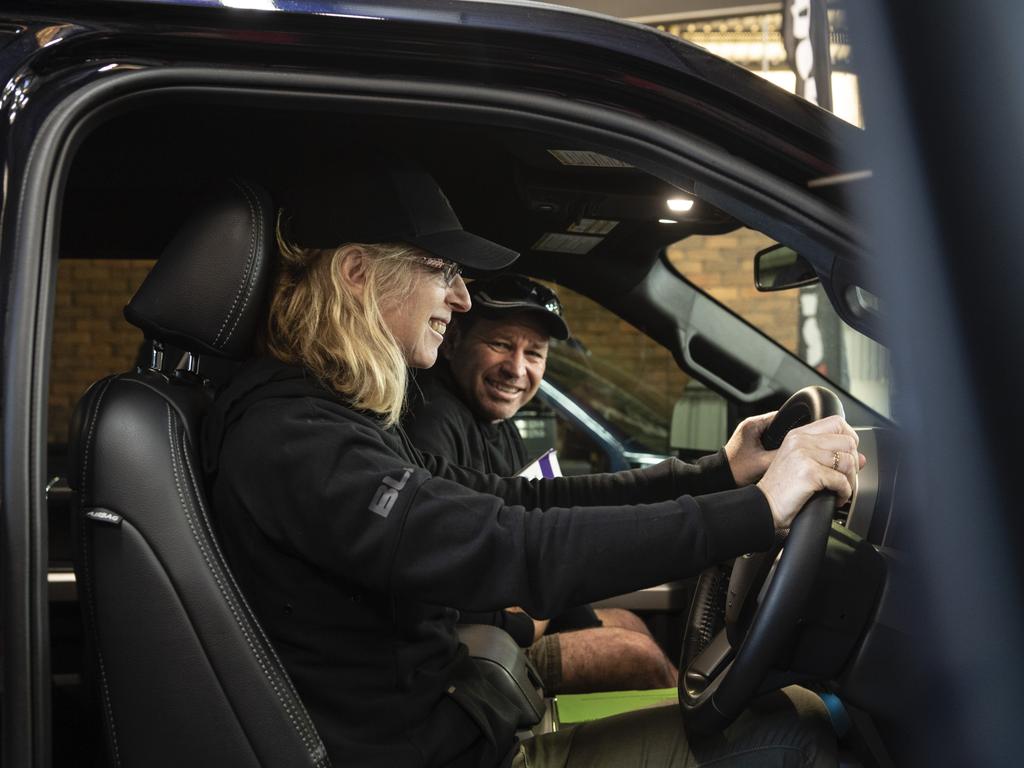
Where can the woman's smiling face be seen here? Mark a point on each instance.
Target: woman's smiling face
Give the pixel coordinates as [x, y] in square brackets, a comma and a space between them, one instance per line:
[420, 320]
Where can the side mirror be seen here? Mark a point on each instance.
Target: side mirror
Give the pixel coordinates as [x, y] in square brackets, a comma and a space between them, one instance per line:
[779, 267]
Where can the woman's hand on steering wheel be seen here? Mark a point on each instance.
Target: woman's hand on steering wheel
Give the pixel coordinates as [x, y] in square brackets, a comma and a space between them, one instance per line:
[821, 456]
[748, 459]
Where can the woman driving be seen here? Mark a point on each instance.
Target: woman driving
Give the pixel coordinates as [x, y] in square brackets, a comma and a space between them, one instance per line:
[357, 552]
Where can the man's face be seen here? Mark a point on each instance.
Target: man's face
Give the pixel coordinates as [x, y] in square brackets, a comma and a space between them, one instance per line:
[498, 364]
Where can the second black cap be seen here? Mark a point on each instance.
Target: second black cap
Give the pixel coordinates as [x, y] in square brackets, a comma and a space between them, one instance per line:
[508, 293]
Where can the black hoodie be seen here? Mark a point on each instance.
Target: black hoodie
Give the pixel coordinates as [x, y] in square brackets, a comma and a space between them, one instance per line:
[440, 421]
[354, 550]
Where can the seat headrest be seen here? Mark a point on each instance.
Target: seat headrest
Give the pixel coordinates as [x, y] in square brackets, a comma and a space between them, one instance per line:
[205, 294]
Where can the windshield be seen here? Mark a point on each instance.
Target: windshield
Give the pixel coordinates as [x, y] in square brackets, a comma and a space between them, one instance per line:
[802, 320]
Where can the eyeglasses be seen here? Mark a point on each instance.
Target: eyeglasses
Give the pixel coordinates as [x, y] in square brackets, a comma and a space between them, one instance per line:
[449, 269]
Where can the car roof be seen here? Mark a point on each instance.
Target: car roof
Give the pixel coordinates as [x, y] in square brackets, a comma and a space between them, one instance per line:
[557, 24]
[134, 178]
[522, 36]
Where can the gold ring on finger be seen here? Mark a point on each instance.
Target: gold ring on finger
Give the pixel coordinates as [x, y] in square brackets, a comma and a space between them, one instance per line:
[835, 460]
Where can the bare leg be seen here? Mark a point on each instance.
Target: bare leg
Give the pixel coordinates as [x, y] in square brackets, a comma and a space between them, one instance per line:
[620, 617]
[612, 659]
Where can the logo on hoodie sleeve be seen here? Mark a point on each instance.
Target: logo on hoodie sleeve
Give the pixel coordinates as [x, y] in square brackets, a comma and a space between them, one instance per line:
[387, 494]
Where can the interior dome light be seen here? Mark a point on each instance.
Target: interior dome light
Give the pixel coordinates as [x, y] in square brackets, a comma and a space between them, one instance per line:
[679, 204]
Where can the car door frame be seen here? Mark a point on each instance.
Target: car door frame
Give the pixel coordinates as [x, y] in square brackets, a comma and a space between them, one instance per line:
[41, 142]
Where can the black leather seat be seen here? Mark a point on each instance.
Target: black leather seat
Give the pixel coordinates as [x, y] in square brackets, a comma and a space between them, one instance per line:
[186, 675]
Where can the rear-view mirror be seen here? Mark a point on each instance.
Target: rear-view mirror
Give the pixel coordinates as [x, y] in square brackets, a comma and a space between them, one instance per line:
[780, 267]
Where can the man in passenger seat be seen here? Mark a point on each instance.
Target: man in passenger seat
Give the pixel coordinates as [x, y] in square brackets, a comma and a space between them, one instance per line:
[491, 365]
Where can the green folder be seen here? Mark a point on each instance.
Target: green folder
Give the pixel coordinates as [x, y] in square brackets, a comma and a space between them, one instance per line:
[581, 707]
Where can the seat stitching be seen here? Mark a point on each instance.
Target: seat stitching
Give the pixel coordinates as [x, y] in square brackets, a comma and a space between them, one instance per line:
[245, 275]
[108, 708]
[268, 647]
[220, 585]
[92, 429]
[203, 550]
[256, 211]
[241, 283]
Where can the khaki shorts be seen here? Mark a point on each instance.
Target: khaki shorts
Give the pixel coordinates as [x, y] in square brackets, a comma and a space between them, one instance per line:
[546, 655]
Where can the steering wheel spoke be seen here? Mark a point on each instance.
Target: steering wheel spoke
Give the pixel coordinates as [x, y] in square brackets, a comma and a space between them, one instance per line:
[709, 664]
[746, 591]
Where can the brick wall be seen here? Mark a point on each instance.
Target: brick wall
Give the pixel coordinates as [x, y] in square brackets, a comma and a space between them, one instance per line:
[91, 338]
[723, 265]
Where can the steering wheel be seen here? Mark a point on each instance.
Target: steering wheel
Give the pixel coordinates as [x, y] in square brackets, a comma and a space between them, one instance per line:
[766, 593]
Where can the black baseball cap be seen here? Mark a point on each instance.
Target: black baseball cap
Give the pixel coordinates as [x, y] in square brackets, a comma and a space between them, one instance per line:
[383, 199]
[508, 293]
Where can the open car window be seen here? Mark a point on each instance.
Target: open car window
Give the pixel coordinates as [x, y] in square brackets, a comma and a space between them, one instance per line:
[802, 320]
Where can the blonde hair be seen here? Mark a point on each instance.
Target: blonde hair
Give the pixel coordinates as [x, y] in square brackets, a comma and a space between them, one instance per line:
[317, 322]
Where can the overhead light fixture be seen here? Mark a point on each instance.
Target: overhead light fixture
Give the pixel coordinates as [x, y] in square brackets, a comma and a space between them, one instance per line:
[679, 204]
[667, 221]
[251, 5]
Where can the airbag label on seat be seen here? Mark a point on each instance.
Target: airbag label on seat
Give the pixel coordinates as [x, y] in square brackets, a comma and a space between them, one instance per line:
[103, 516]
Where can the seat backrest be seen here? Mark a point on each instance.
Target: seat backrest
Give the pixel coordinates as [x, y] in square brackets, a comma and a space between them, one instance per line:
[186, 675]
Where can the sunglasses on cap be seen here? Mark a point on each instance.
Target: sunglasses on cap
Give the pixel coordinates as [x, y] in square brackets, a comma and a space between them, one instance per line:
[514, 290]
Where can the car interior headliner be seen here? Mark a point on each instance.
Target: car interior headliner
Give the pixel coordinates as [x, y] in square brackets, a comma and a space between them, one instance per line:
[135, 177]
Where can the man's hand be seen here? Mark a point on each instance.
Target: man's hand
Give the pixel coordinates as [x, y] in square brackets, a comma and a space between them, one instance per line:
[821, 456]
[539, 625]
[748, 459]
